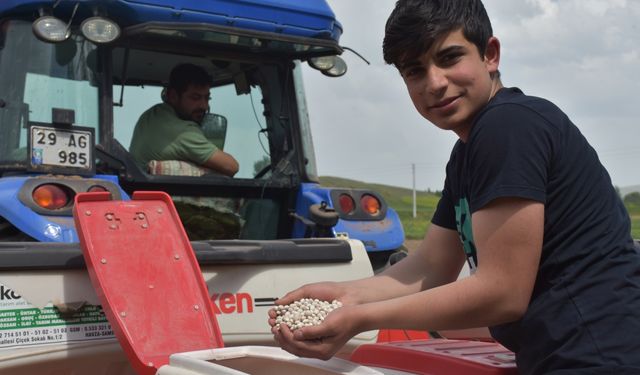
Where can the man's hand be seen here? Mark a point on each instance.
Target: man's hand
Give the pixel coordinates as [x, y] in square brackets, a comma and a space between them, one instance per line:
[223, 163]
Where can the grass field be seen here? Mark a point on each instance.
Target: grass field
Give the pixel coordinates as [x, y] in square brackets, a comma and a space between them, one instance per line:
[401, 200]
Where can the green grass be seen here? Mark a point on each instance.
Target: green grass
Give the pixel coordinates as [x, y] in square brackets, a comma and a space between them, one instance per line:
[401, 200]
[635, 226]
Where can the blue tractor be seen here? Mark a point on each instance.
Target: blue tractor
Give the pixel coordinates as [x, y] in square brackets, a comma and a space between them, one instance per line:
[77, 74]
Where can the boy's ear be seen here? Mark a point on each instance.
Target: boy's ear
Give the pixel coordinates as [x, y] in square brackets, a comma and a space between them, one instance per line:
[492, 55]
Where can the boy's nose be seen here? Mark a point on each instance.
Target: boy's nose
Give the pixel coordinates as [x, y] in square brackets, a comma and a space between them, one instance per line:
[436, 79]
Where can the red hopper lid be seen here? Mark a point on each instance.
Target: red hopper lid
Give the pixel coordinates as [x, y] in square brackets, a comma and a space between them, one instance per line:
[147, 278]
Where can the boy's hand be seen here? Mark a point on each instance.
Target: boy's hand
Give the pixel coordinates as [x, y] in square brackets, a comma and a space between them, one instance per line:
[322, 341]
[325, 291]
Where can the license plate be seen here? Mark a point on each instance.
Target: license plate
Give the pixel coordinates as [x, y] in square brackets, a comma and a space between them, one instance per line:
[53, 148]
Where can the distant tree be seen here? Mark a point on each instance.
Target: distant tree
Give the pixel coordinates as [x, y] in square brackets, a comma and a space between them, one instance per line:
[618, 191]
[261, 164]
[632, 198]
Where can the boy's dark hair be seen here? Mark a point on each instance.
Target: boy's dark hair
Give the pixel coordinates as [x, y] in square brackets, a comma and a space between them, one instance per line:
[184, 75]
[414, 25]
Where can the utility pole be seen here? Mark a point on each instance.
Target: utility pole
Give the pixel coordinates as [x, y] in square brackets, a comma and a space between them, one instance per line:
[413, 172]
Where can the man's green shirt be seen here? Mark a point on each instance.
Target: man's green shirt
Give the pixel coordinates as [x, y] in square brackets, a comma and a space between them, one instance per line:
[161, 135]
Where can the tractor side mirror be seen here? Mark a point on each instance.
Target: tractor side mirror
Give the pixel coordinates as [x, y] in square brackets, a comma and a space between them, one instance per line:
[214, 127]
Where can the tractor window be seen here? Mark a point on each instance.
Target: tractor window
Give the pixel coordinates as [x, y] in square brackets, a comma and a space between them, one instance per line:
[212, 217]
[43, 92]
[37, 77]
[244, 117]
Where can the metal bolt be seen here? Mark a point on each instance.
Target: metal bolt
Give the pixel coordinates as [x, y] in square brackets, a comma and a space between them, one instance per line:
[150, 364]
[140, 216]
[109, 217]
[176, 257]
[103, 261]
[113, 226]
[145, 225]
[159, 210]
[196, 307]
[87, 212]
[123, 314]
[151, 286]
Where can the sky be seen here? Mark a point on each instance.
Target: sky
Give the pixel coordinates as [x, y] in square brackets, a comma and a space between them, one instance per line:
[584, 55]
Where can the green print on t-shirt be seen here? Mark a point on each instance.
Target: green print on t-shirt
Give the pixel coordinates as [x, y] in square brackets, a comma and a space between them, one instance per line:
[465, 231]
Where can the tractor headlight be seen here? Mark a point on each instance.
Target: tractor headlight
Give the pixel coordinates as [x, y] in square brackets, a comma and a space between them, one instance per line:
[100, 30]
[322, 63]
[51, 29]
[332, 66]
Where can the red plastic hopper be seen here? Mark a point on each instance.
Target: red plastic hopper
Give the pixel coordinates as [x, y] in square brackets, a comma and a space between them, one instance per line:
[148, 280]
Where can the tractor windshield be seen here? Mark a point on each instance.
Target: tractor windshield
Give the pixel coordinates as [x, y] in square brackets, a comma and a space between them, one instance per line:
[37, 77]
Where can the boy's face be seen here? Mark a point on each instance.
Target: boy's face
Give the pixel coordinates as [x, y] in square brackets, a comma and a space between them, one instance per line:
[451, 82]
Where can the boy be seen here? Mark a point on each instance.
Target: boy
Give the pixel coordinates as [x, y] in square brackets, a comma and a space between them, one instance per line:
[526, 202]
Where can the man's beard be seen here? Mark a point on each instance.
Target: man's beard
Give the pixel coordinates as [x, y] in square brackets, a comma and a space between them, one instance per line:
[198, 116]
[195, 116]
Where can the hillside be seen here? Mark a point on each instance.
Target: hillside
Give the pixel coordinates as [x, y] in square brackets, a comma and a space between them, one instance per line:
[401, 200]
[384, 190]
[629, 189]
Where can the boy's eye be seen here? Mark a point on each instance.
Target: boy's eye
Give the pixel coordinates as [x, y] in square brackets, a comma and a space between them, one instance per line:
[450, 58]
[412, 72]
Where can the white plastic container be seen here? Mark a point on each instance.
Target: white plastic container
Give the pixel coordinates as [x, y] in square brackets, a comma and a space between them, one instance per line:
[257, 360]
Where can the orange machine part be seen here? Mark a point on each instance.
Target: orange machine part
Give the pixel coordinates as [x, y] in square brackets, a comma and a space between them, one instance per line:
[389, 335]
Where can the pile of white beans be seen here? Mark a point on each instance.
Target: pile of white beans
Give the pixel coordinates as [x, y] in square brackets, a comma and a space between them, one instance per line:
[304, 312]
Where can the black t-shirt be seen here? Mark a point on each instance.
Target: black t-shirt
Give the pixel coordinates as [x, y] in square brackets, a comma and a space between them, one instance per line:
[585, 307]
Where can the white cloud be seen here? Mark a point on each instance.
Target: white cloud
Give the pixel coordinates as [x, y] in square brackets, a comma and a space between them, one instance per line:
[582, 54]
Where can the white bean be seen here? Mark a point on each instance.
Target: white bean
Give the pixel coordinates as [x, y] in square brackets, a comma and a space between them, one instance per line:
[304, 312]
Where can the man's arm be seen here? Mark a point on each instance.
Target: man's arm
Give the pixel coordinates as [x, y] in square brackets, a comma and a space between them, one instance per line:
[223, 163]
[191, 145]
